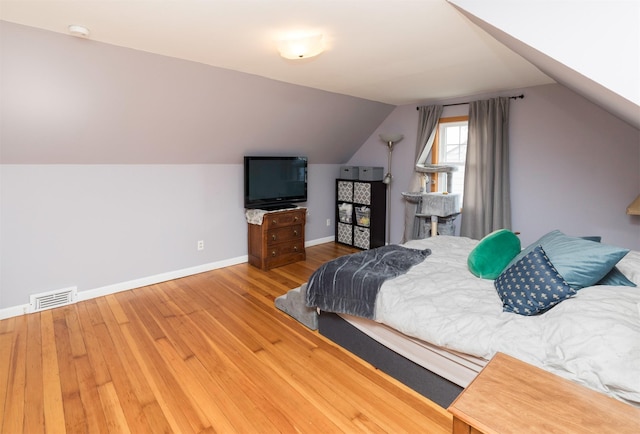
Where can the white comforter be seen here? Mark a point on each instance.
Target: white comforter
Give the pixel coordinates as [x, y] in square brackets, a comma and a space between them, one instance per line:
[592, 338]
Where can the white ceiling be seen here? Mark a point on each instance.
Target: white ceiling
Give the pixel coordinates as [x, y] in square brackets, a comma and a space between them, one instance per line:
[392, 51]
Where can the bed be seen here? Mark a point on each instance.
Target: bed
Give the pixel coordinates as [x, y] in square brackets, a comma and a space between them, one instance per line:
[437, 323]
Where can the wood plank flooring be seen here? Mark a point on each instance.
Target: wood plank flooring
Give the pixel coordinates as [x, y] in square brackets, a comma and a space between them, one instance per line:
[206, 353]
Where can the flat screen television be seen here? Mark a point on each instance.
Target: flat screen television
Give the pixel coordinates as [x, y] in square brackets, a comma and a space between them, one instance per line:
[274, 182]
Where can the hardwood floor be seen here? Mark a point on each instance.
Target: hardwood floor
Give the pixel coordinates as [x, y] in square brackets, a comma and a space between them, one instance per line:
[206, 353]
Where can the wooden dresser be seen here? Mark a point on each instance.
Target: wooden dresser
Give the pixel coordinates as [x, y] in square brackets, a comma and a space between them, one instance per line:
[511, 396]
[279, 240]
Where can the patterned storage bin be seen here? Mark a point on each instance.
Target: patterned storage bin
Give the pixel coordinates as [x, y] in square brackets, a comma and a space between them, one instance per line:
[345, 191]
[362, 193]
[361, 237]
[345, 233]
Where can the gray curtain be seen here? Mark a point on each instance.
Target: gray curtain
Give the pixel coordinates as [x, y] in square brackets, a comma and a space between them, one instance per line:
[487, 203]
[427, 122]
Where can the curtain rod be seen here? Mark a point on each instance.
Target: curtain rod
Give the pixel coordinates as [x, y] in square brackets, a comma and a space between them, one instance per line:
[463, 103]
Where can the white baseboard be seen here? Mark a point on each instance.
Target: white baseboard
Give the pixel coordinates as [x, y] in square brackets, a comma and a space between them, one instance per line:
[163, 277]
[150, 280]
[12, 311]
[319, 241]
[132, 284]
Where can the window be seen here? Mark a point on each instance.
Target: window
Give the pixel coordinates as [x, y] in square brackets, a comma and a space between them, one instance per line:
[450, 148]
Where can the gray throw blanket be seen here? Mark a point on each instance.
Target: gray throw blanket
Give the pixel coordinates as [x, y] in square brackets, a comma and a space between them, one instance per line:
[350, 284]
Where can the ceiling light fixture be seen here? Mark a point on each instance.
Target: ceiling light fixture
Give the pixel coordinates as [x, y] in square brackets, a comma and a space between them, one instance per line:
[301, 47]
[77, 30]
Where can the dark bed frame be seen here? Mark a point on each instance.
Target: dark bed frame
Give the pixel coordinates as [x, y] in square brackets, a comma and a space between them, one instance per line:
[439, 390]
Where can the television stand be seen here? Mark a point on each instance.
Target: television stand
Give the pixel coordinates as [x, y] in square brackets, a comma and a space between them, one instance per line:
[278, 240]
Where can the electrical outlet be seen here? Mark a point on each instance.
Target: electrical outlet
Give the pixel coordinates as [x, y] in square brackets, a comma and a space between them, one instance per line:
[328, 222]
[201, 245]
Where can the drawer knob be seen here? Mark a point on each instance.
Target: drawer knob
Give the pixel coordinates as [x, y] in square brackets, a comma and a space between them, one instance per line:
[295, 219]
[273, 253]
[295, 248]
[273, 237]
[295, 232]
[274, 221]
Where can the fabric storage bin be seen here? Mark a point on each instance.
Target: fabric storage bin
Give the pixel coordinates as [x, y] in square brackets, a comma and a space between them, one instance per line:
[361, 237]
[345, 191]
[370, 174]
[348, 172]
[362, 193]
[345, 233]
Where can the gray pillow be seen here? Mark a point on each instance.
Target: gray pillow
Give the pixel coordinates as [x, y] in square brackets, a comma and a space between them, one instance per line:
[581, 262]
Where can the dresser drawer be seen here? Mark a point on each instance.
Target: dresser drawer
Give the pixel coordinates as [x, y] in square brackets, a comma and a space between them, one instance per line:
[281, 260]
[282, 219]
[284, 234]
[292, 248]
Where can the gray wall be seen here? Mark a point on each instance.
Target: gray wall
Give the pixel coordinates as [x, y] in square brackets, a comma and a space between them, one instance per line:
[96, 226]
[67, 100]
[574, 166]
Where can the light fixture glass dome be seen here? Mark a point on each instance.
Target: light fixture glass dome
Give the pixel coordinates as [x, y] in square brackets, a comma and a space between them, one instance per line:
[301, 47]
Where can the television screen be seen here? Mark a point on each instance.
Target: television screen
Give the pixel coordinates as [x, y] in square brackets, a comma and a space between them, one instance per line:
[274, 182]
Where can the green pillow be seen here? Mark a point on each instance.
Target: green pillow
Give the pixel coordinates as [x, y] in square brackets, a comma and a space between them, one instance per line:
[493, 253]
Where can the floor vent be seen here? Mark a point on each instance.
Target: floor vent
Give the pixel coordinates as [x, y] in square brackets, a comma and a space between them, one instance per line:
[49, 300]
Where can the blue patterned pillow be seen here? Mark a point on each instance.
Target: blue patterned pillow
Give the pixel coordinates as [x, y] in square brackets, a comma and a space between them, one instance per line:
[532, 285]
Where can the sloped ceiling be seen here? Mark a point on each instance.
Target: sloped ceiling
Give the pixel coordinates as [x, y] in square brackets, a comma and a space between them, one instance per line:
[593, 48]
[72, 101]
[219, 90]
[391, 51]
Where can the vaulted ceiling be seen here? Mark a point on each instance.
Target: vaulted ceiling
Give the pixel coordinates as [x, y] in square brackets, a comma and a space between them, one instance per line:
[391, 51]
[192, 81]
